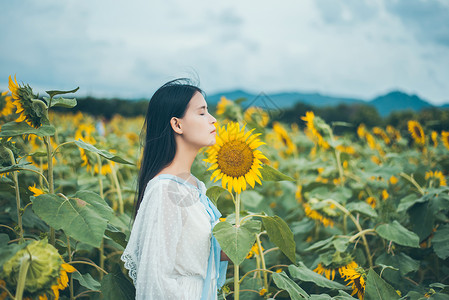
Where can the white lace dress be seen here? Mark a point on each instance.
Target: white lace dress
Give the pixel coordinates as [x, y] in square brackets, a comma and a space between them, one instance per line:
[168, 250]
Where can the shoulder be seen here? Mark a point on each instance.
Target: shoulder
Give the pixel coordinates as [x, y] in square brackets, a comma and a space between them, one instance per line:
[166, 188]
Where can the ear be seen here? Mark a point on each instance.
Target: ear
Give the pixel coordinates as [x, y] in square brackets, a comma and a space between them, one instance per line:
[176, 125]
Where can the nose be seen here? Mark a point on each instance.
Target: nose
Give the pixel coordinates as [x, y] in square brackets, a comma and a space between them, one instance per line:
[213, 120]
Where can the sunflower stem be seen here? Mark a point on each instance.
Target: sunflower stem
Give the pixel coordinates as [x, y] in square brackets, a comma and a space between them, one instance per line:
[16, 188]
[262, 257]
[51, 187]
[22, 278]
[337, 156]
[359, 228]
[236, 266]
[117, 186]
[413, 181]
[69, 252]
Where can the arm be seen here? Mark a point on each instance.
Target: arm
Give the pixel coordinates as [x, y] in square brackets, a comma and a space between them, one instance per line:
[156, 278]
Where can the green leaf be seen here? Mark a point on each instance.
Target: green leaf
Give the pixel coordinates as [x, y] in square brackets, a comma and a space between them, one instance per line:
[440, 242]
[87, 281]
[214, 192]
[116, 235]
[236, 242]
[281, 235]
[321, 245]
[83, 217]
[423, 219]
[401, 261]
[115, 286]
[271, 174]
[398, 234]
[102, 153]
[341, 243]
[61, 102]
[321, 297]
[55, 92]
[363, 208]
[282, 281]
[14, 129]
[303, 273]
[13, 168]
[377, 289]
[408, 201]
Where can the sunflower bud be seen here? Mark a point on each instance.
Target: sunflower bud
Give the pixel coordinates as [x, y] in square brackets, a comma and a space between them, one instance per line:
[44, 269]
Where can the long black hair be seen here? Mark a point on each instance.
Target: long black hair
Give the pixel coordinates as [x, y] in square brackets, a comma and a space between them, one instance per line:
[158, 137]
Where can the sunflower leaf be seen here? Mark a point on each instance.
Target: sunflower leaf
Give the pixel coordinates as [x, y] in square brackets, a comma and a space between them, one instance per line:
[214, 193]
[398, 234]
[281, 235]
[271, 174]
[303, 273]
[13, 168]
[440, 242]
[87, 281]
[377, 289]
[115, 286]
[102, 153]
[84, 217]
[14, 129]
[282, 281]
[236, 242]
[55, 92]
[62, 102]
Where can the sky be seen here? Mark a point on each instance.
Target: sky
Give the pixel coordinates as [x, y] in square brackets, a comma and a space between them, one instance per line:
[350, 48]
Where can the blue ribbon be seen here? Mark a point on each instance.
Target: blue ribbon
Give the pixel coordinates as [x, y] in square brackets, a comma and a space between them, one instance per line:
[215, 251]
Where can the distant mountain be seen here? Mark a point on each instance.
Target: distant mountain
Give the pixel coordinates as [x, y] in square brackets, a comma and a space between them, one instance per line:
[282, 100]
[397, 100]
[393, 101]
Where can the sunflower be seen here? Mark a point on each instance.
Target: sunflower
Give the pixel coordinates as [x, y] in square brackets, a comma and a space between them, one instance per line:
[254, 251]
[311, 122]
[256, 115]
[330, 271]
[393, 133]
[282, 136]
[381, 133]
[235, 159]
[47, 271]
[346, 149]
[445, 138]
[6, 105]
[36, 191]
[437, 175]
[356, 278]
[63, 279]
[417, 132]
[84, 133]
[315, 215]
[393, 180]
[361, 131]
[30, 109]
[434, 136]
[371, 201]
[222, 105]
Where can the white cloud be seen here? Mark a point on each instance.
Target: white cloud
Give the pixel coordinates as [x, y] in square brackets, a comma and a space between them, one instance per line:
[354, 48]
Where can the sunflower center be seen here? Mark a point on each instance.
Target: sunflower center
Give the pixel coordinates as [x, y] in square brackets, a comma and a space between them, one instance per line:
[417, 132]
[235, 158]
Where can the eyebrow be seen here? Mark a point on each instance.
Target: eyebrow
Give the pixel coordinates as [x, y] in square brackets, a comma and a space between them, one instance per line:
[204, 106]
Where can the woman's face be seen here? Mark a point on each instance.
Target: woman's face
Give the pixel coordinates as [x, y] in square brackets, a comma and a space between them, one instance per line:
[197, 125]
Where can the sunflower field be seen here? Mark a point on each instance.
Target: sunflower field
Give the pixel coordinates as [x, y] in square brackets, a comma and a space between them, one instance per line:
[307, 214]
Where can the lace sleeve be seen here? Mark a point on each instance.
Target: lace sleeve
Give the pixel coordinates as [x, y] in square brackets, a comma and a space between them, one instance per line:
[151, 251]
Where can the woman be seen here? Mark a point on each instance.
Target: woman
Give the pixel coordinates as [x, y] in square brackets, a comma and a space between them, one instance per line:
[171, 253]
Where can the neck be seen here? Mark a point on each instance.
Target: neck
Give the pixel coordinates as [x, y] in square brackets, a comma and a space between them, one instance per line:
[183, 160]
